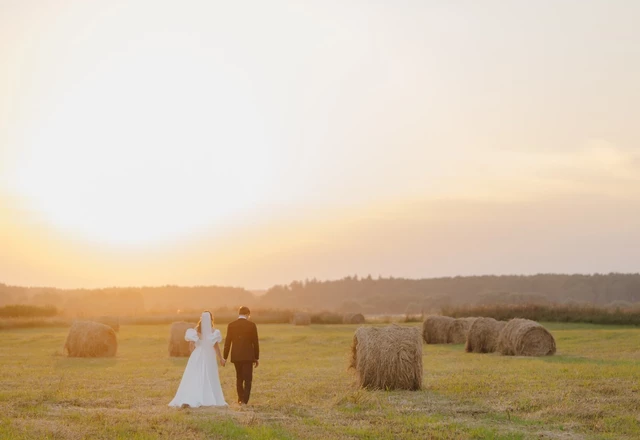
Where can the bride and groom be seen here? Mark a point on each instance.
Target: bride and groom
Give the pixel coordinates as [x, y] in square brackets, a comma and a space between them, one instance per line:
[200, 384]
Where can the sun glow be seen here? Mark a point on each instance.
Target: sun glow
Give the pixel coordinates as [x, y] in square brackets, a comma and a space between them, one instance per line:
[144, 148]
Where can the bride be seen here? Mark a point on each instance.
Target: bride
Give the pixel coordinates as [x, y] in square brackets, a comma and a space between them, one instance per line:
[200, 385]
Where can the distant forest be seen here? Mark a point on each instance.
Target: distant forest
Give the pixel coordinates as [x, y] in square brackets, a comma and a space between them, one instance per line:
[351, 294]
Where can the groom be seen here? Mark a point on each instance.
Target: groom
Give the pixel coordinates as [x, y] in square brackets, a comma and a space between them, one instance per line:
[242, 334]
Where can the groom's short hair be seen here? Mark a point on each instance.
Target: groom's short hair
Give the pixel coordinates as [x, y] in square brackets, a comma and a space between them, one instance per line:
[244, 310]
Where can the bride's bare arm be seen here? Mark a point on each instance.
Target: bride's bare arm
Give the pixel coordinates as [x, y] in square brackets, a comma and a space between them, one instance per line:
[216, 347]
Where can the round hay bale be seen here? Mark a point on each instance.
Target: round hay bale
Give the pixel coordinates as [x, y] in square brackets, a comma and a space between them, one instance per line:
[523, 337]
[353, 318]
[301, 319]
[111, 321]
[178, 347]
[91, 339]
[435, 329]
[326, 317]
[459, 330]
[387, 358]
[483, 335]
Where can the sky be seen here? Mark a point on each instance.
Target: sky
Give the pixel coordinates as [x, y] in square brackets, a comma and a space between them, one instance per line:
[253, 143]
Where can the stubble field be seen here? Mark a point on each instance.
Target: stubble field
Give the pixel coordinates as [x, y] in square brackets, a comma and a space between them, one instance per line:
[302, 390]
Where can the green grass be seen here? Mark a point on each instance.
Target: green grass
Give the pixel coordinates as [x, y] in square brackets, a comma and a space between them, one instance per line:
[302, 390]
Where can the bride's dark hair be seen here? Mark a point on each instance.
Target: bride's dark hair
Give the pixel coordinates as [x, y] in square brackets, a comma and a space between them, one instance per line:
[199, 326]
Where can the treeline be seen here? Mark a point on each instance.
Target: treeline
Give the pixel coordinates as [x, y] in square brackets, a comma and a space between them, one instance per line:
[129, 301]
[400, 295]
[24, 316]
[551, 313]
[349, 295]
[225, 315]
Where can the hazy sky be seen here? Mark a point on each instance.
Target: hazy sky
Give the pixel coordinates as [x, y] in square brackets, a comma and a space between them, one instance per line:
[252, 143]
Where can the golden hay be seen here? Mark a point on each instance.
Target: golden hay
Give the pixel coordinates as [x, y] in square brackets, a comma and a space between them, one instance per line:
[523, 337]
[387, 358]
[483, 335]
[435, 329]
[91, 339]
[459, 330]
[177, 345]
[111, 321]
[301, 319]
[353, 318]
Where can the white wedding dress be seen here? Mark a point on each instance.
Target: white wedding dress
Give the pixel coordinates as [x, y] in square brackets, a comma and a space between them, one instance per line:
[200, 384]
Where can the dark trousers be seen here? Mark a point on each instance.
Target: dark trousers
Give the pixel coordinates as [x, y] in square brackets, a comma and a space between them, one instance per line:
[244, 376]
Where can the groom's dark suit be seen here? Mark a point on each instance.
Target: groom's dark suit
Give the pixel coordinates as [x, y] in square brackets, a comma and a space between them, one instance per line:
[242, 340]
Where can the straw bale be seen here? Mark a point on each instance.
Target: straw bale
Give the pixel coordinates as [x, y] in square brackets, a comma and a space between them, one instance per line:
[387, 358]
[483, 335]
[353, 318]
[435, 329]
[459, 330]
[178, 347]
[91, 339]
[523, 337]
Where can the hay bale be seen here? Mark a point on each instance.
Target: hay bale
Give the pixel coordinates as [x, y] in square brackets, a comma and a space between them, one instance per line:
[459, 330]
[178, 347]
[483, 335]
[91, 339]
[325, 317]
[353, 318]
[435, 329]
[387, 358]
[111, 321]
[523, 337]
[301, 319]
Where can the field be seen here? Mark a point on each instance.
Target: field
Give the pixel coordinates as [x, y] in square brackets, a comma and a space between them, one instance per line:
[302, 389]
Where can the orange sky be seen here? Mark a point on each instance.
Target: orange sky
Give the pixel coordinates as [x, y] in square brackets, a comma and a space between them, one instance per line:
[216, 143]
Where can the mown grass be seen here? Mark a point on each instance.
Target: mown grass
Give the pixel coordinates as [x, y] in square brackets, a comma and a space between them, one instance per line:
[302, 390]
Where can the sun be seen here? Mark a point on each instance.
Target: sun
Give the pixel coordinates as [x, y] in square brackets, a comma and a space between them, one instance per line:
[144, 151]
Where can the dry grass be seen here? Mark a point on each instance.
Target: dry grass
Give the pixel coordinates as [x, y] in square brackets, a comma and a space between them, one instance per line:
[523, 337]
[435, 329]
[387, 358]
[483, 335]
[91, 339]
[303, 390]
[178, 347]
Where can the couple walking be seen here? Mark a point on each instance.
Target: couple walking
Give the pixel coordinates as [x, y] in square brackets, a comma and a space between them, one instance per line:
[200, 385]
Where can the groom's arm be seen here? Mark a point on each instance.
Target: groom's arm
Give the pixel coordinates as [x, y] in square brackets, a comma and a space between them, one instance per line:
[256, 343]
[227, 343]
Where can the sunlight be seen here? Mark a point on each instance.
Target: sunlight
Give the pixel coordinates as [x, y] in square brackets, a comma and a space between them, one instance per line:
[144, 150]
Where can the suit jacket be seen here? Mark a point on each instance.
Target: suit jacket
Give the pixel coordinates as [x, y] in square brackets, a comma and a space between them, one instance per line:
[242, 340]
